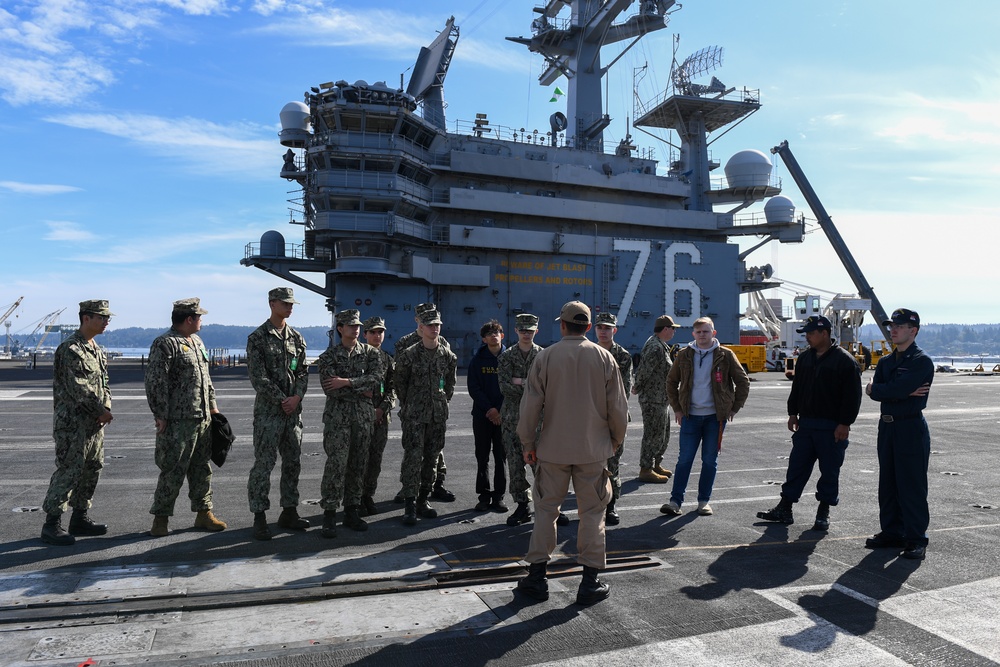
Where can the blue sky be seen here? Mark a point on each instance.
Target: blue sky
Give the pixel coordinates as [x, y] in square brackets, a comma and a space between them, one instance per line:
[140, 146]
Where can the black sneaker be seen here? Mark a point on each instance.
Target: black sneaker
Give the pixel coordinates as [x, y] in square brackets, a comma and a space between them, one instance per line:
[777, 515]
[483, 506]
[915, 551]
[822, 524]
[499, 507]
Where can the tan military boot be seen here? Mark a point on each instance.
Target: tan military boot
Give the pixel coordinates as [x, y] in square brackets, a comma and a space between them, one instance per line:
[663, 472]
[650, 475]
[159, 528]
[208, 521]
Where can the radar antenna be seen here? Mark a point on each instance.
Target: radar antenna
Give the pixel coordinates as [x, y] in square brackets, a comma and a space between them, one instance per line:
[698, 63]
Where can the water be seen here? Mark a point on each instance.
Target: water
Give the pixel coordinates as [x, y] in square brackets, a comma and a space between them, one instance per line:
[968, 363]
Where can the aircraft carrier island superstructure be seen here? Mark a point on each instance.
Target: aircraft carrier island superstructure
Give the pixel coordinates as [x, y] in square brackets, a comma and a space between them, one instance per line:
[489, 222]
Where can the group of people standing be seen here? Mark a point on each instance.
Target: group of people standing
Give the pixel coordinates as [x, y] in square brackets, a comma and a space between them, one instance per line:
[577, 388]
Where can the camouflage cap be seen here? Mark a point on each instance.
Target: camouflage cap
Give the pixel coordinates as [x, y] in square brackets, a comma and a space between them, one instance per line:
[97, 307]
[430, 317]
[606, 318]
[374, 322]
[574, 312]
[526, 322]
[190, 306]
[348, 317]
[282, 294]
[424, 307]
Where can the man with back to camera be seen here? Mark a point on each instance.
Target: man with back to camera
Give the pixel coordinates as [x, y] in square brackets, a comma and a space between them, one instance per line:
[383, 398]
[606, 326]
[350, 371]
[512, 371]
[408, 340]
[651, 387]
[576, 384]
[823, 403]
[81, 402]
[276, 361]
[425, 383]
[182, 399]
[487, 399]
[901, 383]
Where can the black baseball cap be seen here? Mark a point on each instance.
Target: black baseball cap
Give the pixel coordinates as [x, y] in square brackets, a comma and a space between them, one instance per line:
[903, 316]
[815, 323]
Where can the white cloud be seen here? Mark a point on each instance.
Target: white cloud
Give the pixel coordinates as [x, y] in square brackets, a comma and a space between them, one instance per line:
[149, 250]
[37, 188]
[67, 231]
[58, 51]
[206, 146]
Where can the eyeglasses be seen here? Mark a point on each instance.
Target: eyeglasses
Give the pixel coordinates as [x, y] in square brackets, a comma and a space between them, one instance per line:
[106, 318]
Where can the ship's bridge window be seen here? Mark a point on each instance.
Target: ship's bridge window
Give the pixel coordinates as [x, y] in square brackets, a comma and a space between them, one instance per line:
[347, 163]
[372, 164]
[379, 205]
[350, 122]
[381, 124]
[361, 249]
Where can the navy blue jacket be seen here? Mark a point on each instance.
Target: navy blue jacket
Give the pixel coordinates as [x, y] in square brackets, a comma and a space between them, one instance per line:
[484, 385]
[897, 376]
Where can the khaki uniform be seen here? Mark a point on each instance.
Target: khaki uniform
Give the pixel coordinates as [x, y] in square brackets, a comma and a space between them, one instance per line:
[80, 394]
[277, 365]
[179, 390]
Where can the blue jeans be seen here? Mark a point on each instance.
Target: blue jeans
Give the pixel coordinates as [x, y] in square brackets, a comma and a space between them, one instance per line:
[703, 431]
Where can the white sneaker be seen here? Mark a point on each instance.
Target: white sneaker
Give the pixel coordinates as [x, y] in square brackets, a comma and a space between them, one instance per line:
[704, 509]
[671, 509]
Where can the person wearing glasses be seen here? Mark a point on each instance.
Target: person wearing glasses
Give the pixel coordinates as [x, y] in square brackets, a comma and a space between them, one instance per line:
[182, 399]
[81, 409]
[901, 383]
[823, 403]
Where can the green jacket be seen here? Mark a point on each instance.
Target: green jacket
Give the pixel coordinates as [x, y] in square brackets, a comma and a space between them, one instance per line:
[730, 384]
[277, 365]
[178, 385]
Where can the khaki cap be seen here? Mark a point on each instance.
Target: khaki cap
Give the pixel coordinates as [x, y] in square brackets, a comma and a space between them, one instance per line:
[574, 312]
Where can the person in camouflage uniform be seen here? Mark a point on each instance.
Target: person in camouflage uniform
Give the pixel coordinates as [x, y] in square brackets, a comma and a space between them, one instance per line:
[512, 371]
[350, 373]
[276, 359]
[606, 325]
[425, 382]
[181, 396]
[81, 402]
[651, 386]
[383, 398]
[412, 338]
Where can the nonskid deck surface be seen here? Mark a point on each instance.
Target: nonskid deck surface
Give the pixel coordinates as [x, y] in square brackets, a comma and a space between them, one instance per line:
[725, 589]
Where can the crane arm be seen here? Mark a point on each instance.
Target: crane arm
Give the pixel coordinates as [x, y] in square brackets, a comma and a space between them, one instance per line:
[865, 290]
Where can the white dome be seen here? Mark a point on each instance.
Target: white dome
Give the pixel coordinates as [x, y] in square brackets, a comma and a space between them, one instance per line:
[748, 168]
[294, 116]
[779, 209]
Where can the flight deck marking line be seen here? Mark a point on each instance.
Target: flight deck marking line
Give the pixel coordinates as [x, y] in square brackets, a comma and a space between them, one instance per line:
[775, 596]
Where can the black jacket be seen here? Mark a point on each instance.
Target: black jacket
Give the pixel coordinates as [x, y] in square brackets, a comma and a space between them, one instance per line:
[827, 387]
